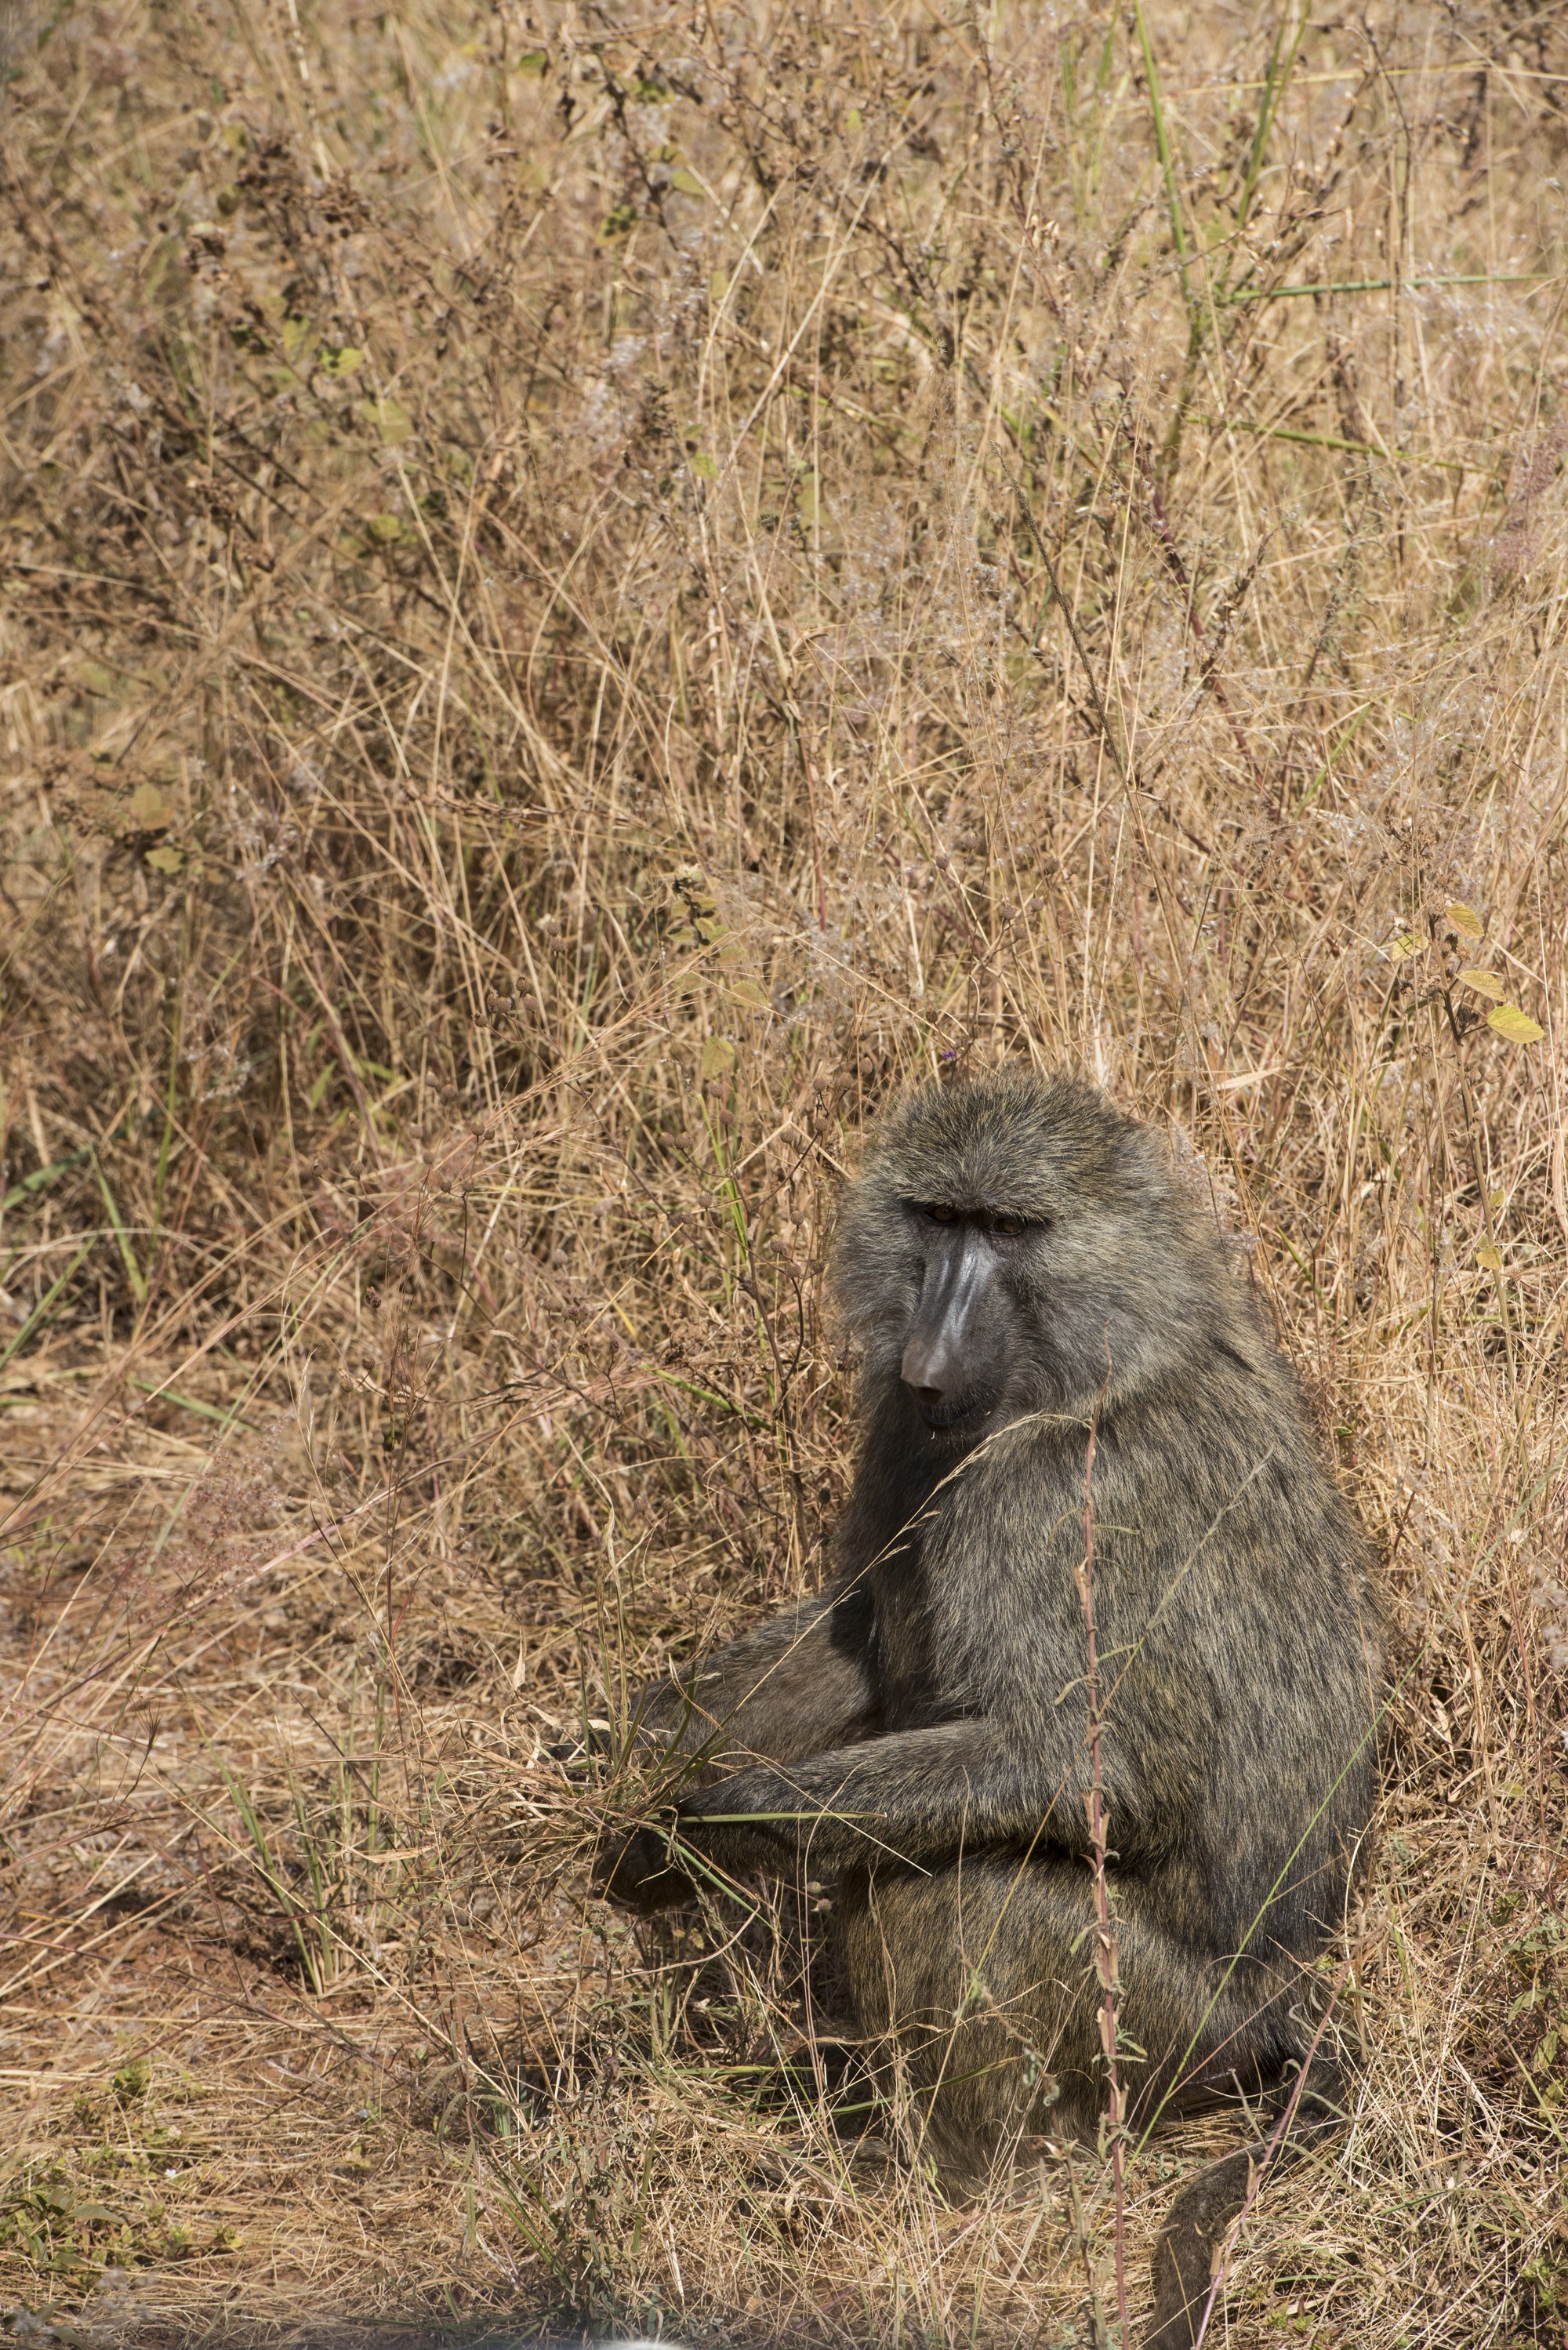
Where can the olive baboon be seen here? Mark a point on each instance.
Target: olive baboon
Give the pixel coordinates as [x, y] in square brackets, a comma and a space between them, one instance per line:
[1021, 1266]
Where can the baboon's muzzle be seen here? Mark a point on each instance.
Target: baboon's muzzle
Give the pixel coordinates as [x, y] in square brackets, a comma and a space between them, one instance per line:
[956, 1354]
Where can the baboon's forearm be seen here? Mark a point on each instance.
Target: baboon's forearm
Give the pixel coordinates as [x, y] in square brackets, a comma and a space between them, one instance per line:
[793, 1687]
[922, 1795]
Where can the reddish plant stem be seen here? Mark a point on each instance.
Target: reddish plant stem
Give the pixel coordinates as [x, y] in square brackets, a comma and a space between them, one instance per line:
[1105, 1958]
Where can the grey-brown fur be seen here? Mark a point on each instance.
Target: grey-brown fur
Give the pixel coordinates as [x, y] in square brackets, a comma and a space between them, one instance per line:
[926, 1720]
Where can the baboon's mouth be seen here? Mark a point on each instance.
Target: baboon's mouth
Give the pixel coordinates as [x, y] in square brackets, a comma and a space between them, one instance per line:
[956, 1415]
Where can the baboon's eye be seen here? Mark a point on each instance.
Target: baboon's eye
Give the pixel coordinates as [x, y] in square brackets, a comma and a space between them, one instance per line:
[1008, 1226]
[941, 1212]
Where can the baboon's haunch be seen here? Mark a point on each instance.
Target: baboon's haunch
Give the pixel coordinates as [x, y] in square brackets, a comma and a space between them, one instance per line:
[1019, 1262]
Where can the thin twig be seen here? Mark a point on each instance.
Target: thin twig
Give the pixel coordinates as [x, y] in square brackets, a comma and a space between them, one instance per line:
[1106, 1962]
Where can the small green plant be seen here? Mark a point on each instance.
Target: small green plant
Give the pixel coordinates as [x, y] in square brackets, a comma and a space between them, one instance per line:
[129, 2085]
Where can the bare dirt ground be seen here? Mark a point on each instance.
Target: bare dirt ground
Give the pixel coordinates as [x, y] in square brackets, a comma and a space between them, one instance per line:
[586, 591]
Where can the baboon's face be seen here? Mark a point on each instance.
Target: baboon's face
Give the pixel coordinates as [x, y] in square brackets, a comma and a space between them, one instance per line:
[1014, 1245]
[964, 1336]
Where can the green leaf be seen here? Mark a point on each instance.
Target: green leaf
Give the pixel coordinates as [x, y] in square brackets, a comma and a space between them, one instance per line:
[166, 859]
[718, 1057]
[754, 997]
[385, 527]
[695, 913]
[387, 416]
[703, 467]
[1516, 1026]
[687, 181]
[1490, 1255]
[718, 286]
[1464, 919]
[150, 810]
[1401, 949]
[534, 64]
[1485, 982]
[344, 358]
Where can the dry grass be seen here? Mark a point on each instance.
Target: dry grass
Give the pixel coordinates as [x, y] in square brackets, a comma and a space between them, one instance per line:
[584, 592]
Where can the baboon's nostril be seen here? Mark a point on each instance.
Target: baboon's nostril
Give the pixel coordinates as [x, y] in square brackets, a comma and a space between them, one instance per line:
[925, 1369]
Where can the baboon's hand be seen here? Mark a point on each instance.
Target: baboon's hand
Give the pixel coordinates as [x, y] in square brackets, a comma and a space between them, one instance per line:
[584, 1760]
[641, 1876]
[755, 1819]
[588, 1754]
[757, 1797]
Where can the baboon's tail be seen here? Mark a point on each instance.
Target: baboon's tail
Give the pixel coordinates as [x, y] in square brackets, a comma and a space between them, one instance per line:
[1183, 2263]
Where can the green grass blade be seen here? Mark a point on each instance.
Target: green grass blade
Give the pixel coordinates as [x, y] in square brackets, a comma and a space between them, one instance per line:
[41, 1176]
[133, 1271]
[1166, 154]
[40, 1313]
